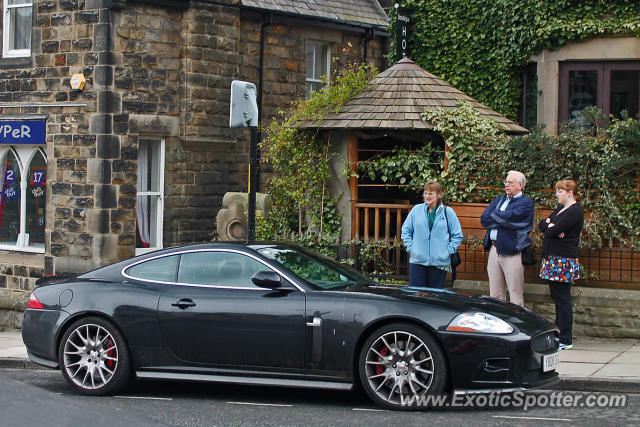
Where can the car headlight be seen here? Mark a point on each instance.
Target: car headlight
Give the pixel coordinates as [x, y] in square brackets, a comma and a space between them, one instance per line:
[479, 322]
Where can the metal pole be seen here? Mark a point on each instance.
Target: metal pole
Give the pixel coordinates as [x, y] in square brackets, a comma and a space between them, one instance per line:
[253, 182]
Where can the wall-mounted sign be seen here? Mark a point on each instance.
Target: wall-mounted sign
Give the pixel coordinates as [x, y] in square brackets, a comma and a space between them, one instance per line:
[77, 82]
[402, 32]
[22, 132]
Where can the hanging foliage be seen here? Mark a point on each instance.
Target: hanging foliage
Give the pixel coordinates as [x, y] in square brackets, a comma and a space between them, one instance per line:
[299, 158]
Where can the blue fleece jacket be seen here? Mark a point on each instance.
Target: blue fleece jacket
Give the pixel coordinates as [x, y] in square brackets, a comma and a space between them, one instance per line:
[431, 247]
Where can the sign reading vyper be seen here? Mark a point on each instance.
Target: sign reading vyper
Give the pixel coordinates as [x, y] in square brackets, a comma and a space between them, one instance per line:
[22, 132]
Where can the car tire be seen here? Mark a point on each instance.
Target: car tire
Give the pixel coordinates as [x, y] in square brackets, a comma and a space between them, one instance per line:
[400, 364]
[94, 357]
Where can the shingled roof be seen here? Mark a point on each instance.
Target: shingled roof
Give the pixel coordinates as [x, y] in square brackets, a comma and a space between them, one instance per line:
[397, 96]
[346, 11]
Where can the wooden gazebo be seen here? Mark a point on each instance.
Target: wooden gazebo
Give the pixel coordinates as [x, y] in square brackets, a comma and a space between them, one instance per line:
[387, 114]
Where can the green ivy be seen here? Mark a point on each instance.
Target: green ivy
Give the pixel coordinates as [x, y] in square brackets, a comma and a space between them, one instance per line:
[299, 157]
[481, 46]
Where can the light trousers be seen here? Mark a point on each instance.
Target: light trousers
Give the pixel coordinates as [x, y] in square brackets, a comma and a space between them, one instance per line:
[506, 272]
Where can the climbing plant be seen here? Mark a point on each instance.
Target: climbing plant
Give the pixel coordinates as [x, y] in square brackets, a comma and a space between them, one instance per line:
[302, 204]
[481, 46]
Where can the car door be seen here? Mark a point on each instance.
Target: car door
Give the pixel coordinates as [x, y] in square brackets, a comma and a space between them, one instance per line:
[215, 315]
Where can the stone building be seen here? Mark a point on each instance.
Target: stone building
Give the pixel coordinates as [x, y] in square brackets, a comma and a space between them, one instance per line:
[114, 126]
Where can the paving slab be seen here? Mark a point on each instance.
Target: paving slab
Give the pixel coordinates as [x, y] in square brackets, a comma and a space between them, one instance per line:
[569, 369]
[584, 356]
[628, 357]
[622, 371]
[592, 345]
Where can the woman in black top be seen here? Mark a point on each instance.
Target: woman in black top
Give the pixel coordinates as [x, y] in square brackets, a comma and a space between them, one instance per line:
[560, 255]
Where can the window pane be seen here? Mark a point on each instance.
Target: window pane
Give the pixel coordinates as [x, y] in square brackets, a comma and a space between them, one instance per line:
[149, 206]
[310, 61]
[218, 268]
[20, 23]
[320, 68]
[625, 91]
[529, 109]
[159, 269]
[36, 200]
[10, 200]
[583, 91]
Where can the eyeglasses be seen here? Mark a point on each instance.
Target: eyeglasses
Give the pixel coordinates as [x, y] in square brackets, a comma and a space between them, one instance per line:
[510, 182]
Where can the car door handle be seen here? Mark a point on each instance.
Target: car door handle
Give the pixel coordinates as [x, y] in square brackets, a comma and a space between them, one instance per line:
[184, 303]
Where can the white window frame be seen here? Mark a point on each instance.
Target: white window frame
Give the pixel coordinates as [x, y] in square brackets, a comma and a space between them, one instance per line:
[317, 47]
[7, 30]
[24, 155]
[155, 232]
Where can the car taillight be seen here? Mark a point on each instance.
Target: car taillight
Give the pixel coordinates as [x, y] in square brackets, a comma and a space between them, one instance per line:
[34, 303]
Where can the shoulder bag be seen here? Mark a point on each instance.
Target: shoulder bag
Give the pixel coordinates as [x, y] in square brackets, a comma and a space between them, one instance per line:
[455, 257]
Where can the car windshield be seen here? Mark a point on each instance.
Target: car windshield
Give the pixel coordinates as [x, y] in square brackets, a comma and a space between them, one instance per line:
[319, 271]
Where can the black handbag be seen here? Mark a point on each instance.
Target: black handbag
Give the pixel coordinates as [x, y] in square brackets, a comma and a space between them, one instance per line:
[455, 257]
[528, 255]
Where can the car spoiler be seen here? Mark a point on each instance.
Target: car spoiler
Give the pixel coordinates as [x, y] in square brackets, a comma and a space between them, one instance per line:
[54, 278]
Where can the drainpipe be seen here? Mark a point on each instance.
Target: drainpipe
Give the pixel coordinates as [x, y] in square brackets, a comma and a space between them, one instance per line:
[265, 24]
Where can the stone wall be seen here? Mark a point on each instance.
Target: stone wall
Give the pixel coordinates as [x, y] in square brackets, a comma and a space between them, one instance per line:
[598, 312]
[151, 72]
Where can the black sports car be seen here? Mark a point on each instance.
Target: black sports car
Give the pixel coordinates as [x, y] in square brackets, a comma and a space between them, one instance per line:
[275, 314]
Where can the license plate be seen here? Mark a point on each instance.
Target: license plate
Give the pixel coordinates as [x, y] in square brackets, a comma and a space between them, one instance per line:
[550, 362]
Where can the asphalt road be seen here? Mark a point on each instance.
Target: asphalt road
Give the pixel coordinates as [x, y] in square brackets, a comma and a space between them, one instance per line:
[31, 397]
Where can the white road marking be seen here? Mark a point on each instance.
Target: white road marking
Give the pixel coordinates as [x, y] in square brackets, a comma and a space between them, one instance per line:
[369, 409]
[144, 397]
[532, 418]
[259, 404]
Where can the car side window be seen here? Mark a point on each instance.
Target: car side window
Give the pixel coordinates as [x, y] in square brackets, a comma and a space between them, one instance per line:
[218, 268]
[161, 269]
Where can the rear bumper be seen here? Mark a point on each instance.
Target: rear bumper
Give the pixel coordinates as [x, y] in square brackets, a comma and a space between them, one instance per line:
[39, 330]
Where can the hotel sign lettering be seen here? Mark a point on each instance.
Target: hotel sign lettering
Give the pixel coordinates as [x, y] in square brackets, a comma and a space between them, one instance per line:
[22, 132]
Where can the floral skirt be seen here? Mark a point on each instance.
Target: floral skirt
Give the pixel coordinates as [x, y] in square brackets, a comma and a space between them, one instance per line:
[560, 269]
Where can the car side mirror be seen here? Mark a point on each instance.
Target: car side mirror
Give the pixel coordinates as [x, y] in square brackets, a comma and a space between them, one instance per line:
[267, 279]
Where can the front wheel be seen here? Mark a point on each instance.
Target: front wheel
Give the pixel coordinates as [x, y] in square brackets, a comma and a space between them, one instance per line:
[400, 365]
[93, 357]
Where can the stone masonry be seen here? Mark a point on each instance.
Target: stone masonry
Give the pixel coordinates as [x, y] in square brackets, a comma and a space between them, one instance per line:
[151, 72]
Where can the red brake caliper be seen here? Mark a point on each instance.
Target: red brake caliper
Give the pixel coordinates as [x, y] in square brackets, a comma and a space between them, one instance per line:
[111, 353]
[383, 351]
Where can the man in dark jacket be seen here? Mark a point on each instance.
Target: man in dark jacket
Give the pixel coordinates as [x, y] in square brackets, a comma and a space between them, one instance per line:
[508, 220]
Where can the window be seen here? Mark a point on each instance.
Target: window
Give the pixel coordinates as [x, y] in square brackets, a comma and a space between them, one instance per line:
[528, 113]
[150, 195]
[23, 198]
[16, 28]
[610, 86]
[157, 270]
[218, 268]
[317, 65]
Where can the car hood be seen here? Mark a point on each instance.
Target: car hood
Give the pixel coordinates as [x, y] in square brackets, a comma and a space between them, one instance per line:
[524, 319]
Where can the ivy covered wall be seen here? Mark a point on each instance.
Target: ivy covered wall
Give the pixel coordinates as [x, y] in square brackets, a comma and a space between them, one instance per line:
[481, 46]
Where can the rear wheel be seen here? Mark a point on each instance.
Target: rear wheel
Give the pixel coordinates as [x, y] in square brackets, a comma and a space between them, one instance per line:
[93, 357]
[400, 364]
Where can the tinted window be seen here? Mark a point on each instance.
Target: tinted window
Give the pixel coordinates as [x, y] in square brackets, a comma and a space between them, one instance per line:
[218, 268]
[159, 269]
[321, 272]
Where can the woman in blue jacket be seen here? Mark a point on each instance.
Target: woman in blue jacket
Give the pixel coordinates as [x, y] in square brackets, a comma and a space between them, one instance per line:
[431, 234]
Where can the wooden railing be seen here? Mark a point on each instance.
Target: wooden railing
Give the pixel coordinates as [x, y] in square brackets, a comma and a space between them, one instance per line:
[373, 221]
